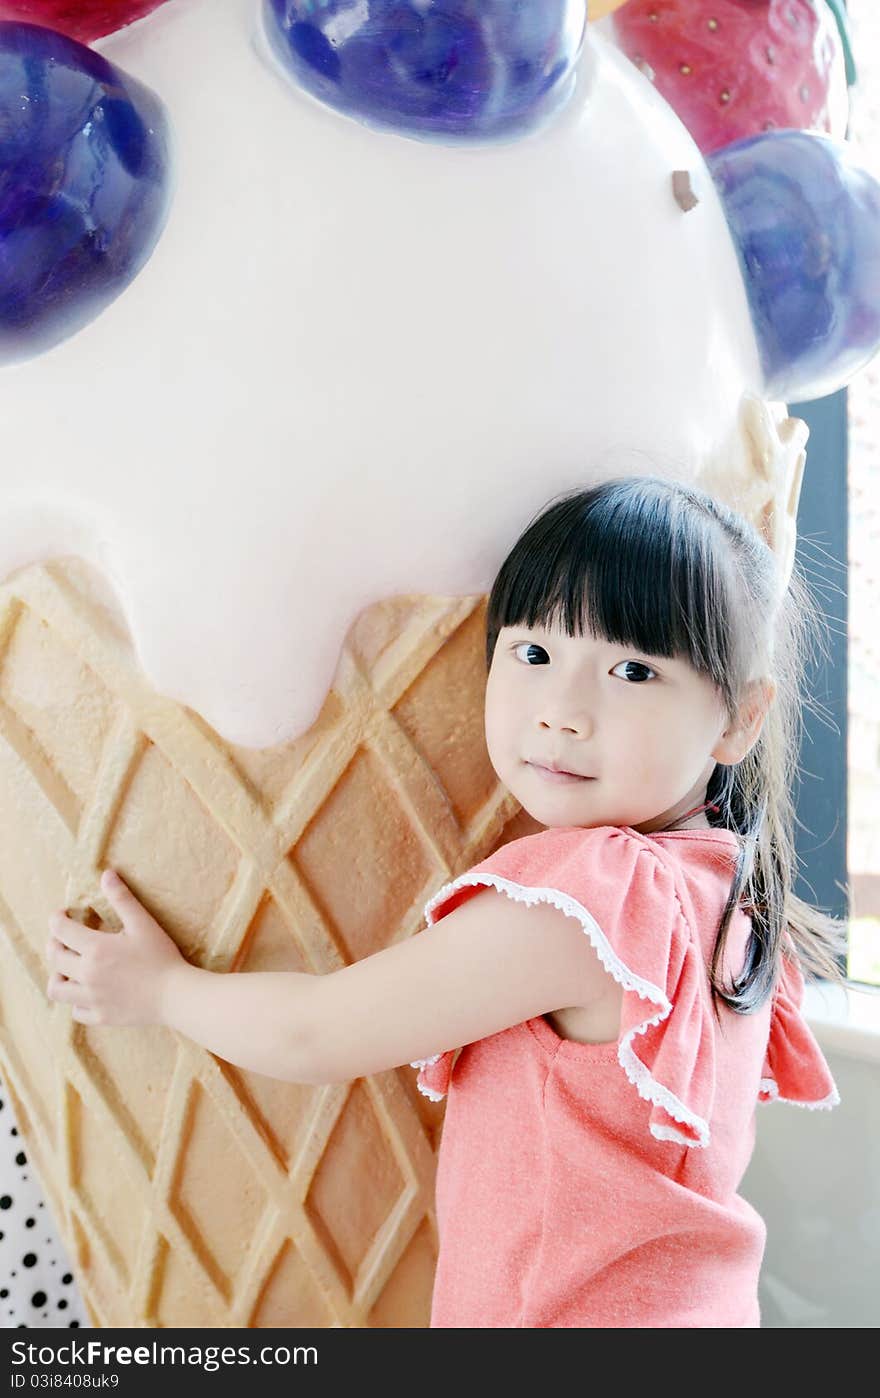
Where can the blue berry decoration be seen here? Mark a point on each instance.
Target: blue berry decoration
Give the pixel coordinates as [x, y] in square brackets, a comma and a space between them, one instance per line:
[84, 176]
[438, 68]
[806, 223]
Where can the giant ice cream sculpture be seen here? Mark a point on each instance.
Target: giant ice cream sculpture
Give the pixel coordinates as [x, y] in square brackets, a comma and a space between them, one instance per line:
[251, 502]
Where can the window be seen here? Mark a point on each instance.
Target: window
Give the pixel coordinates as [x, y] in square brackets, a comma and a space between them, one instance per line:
[863, 746]
[838, 794]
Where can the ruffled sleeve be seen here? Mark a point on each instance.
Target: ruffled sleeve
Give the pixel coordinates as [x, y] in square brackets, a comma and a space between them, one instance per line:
[624, 894]
[435, 1074]
[794, 1067]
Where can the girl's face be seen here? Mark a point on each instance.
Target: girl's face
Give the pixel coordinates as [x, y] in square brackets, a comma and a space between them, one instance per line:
[637, 730]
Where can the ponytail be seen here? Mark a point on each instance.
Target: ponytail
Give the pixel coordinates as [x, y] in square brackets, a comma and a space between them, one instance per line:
[754, 798]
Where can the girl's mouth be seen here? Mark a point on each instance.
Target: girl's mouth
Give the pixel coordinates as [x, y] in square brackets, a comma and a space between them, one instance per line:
[547, 774]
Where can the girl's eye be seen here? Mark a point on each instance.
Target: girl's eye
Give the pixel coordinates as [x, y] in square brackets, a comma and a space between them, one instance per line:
[634, 670]
[534, 655]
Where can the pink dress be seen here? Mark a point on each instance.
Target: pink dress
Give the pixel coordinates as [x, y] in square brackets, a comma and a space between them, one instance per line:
[596, 1184]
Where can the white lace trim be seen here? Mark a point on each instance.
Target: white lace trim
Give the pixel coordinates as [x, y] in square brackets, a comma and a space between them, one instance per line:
[669, 1133]
[770, 1086]
[640, 1077]
[429, 1092]
[423, 1087]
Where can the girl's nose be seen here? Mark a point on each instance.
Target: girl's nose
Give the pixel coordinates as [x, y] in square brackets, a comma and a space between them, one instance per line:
[575, 722]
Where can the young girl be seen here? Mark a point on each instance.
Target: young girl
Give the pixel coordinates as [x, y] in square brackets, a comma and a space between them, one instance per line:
[605, 1001]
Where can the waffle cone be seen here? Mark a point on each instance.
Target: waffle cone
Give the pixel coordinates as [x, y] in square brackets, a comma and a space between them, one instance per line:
[188, 1192]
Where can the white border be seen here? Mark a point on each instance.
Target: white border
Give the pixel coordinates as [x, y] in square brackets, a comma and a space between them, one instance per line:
[771, 1086]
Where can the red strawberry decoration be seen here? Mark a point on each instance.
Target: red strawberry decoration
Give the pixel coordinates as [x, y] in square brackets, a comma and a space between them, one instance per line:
[734, 68]
[81, 19]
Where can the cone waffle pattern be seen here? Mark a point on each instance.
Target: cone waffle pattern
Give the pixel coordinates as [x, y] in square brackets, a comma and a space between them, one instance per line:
[190, 1193]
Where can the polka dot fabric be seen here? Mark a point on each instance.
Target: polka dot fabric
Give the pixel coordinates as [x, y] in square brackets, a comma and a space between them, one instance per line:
[37, 1288]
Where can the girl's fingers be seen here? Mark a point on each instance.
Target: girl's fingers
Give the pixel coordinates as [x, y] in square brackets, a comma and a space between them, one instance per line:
[69, 933]
[68, 963]
[65, 992]
[118, 895]
[56, 987]
[85, 1016]
[55, 945]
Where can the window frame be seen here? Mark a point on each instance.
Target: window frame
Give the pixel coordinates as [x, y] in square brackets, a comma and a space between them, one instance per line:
[821, 789]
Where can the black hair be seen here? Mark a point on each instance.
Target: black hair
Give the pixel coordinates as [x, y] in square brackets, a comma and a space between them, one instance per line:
[667, 569]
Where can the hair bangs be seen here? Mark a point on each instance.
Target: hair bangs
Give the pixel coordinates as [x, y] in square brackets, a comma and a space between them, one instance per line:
[623, 564]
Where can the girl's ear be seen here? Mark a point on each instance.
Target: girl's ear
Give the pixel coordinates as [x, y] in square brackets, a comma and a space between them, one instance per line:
[742, 734]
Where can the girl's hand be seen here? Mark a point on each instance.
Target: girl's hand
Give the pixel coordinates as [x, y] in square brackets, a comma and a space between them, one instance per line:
[112, 977]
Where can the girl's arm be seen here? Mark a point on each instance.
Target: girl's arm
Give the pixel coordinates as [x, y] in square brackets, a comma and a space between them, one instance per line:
[253, 1018]
[490, 963]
